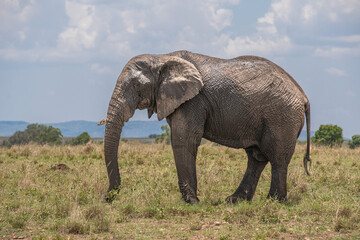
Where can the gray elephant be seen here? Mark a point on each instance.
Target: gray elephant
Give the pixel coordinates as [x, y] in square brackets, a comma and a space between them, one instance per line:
[246, 102]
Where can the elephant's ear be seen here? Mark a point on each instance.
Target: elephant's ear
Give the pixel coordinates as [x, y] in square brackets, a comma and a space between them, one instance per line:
[179, 82]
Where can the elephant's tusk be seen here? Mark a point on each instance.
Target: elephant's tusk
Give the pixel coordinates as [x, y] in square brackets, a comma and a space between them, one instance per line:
[102, 122]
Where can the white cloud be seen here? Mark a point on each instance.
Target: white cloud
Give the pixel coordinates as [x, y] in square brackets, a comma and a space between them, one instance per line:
[268, 18]
[13, 15]
[266, 24]
[15, 10]
[324, 10]
[76, 38]
[257, 45]
[220, 18]
[80, 33]
[308, 12]
[282, 9]
[133, 20]
[336, 72]
[267, 40]
[336, 10]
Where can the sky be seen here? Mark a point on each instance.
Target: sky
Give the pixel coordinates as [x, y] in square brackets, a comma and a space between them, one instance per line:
[59, 60]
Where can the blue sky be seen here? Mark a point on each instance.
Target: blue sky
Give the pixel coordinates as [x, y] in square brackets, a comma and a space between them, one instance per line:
[59, 60]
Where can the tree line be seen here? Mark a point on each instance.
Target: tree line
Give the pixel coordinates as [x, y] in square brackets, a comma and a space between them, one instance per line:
[328, 135]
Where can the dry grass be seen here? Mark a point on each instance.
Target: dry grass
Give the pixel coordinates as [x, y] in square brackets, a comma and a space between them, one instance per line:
[43, 199]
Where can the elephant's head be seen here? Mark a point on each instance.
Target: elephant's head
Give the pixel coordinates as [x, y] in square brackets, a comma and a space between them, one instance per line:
[160, 83]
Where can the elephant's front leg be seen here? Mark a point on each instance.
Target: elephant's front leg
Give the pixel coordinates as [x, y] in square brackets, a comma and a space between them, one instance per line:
[185, 160]
[186, 134]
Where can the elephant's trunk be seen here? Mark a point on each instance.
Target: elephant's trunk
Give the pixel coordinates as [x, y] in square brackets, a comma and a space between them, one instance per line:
[111, 145]
[119, 111]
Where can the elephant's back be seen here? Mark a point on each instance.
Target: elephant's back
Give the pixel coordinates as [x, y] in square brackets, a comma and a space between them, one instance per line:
[248, 70]
[246, 78]
[252, 77]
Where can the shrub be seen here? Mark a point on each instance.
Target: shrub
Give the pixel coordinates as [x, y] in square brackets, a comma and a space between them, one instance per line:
[328, 135]
[50, 135]
[153, 136]
[35, 133]
[355, 142]
[166, 136]
[82, 139]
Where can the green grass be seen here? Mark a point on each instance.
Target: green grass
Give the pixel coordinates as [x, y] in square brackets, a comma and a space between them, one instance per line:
[41, 199]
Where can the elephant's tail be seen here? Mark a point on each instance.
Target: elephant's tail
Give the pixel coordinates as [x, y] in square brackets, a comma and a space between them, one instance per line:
[307, 155]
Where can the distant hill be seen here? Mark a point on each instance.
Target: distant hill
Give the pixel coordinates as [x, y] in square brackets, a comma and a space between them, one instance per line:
[8, 128]
[133, 129]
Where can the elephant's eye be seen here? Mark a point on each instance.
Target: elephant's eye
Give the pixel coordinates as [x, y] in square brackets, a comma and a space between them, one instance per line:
[137, 85]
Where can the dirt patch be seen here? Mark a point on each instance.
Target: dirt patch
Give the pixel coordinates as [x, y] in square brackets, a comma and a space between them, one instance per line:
[61, 167]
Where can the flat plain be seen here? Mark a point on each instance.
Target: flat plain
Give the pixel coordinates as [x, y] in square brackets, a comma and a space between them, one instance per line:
[53, 192]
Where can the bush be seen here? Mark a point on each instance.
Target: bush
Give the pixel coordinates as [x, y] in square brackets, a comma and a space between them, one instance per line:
[35, 133]
[355, 142]
[153, 136]
[82, 139]
[50, 135]
[330, 135]
[166, 136]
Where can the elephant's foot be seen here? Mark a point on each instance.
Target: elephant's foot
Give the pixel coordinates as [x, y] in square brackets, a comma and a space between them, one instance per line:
[107, 197]
[110, 195]
[240, 195]
[233, 199]
[188, 194]
[275, 196]
[191, 200]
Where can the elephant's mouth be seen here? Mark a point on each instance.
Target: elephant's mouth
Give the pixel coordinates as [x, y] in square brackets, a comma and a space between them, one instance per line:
[145, 103]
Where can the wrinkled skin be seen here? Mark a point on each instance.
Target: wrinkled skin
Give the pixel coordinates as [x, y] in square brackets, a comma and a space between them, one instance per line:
[246, 102]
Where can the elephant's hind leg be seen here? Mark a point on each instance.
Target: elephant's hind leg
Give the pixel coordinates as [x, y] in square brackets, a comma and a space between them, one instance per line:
[279, 158]
[279, 169]
[255, 166]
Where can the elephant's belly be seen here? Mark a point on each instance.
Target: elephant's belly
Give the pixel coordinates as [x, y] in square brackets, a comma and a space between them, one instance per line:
[234, 141]
[233, 130]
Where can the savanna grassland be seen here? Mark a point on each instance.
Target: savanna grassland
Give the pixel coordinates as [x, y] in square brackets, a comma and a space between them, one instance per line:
[53, 193]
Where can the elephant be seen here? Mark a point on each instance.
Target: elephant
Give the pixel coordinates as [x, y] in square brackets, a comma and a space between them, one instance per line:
[246, 102]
